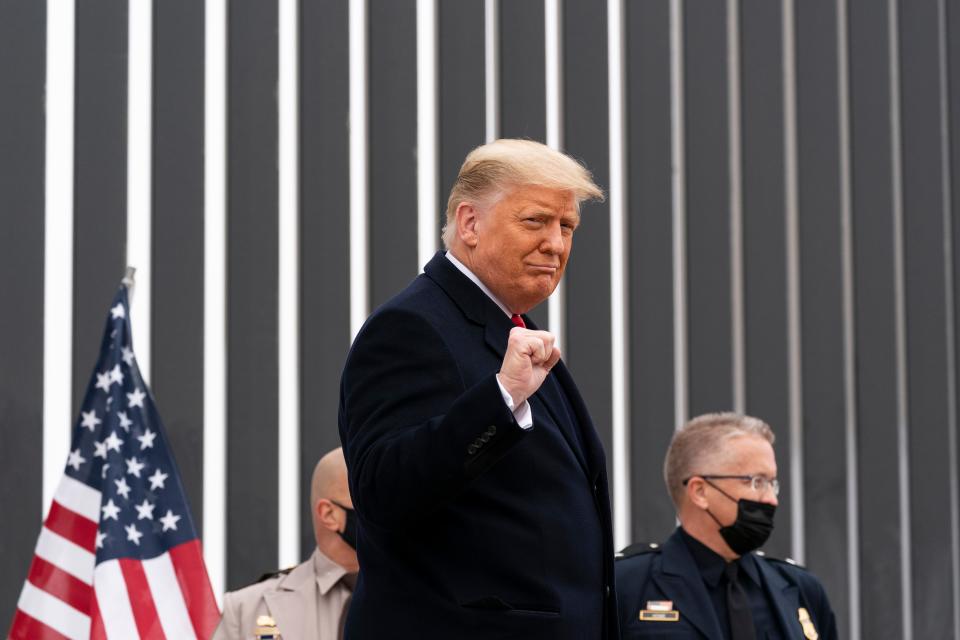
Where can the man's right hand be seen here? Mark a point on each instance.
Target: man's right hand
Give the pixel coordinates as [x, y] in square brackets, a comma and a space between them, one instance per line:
[529, 358]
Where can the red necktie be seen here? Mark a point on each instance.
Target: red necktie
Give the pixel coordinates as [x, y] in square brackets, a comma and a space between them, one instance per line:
[517, 320]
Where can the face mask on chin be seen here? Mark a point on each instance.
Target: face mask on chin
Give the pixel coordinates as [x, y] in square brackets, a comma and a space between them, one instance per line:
[349, 533]
[753, 525]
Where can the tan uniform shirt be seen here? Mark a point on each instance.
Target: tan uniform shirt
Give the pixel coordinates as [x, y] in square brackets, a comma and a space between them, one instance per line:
[306, 603]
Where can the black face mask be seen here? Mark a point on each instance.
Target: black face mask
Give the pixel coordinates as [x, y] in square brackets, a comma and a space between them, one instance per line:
[753, 525]
[349, 533]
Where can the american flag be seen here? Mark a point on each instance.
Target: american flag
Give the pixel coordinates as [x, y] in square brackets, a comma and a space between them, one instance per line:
[118, 555]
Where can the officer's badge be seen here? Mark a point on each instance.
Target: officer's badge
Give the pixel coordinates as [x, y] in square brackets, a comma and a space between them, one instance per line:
[266, 629]
[659, 611]
[809, 631]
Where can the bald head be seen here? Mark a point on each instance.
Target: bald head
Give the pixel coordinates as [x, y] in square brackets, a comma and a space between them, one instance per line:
[330, 505]
[330, 479]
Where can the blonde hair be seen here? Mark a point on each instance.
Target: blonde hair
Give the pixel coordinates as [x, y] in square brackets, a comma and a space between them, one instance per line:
[492, 168]
[701, 440]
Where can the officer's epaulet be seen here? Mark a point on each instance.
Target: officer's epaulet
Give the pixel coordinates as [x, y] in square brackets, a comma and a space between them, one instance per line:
[784, 561]
[638, 548]
[274, 574]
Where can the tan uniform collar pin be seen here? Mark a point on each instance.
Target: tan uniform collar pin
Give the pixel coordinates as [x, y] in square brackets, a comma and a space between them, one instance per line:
[659, 611]
[266, 629]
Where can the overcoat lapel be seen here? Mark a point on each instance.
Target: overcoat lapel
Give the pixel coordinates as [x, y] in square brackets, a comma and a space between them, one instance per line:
[679, 580]
[786, 598]
[478, 308]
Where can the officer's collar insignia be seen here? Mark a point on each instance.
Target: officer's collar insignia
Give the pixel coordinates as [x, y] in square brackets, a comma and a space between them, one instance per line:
[809, 631]
[659, 611]
[266, 629]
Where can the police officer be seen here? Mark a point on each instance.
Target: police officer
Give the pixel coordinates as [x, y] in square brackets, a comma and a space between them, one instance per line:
[704, 582]
[310, 600]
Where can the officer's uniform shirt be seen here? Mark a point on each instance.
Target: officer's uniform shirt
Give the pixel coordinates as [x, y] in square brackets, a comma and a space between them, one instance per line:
[711, 566]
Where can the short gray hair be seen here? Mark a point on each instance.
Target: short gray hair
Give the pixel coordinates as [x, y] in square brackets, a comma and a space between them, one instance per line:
[702, 439]
[492, 168]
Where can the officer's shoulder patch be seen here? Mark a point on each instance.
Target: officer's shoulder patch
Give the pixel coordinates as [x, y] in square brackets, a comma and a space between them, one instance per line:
[275, 574]
[638, 548]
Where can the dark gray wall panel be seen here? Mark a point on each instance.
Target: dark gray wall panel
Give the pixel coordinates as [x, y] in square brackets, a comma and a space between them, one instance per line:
[585, 135]
[952, 28]
[650, 227]
[928, 392]
[764, 235]
[393, 145]
[324, 234]
[177, 236]
[523, 101]
[708, 208]
[523, 96]
[821, 301]
[880, 561]
[251, 290]
[461, 90]
[22, 29]
[100, 170]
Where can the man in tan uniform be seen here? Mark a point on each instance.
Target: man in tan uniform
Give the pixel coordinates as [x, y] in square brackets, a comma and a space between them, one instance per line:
[310, 600]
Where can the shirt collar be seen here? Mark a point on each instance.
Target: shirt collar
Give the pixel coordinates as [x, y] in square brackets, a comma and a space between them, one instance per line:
[475, 280]
[328, 572]
[711, 564]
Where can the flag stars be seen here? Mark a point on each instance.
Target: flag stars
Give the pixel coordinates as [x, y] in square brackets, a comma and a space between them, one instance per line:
[116, 375]
[134, 466]
[144, 510]
[146, 440]
[122, 487]
[75, 459]
[89, 419]
[100, 450]
[110, 510]
[133, 534]
[118, 312]
[103, 381]
[135, 399]
[157, 480]
[169, 521]
[127, 355]
[101, 536]
[113, 442]
[125, 422]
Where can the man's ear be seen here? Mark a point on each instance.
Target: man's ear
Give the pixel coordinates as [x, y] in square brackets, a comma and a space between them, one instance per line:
[326, 514]
[467, 217]
[696, 492]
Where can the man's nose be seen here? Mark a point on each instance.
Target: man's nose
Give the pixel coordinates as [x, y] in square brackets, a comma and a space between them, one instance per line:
[553, 239]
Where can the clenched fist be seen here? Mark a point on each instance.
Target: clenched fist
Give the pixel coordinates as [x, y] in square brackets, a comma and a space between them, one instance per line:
[530, 356]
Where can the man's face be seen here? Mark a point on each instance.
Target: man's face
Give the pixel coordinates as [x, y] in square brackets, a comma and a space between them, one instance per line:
[747, 456]
[522, 244]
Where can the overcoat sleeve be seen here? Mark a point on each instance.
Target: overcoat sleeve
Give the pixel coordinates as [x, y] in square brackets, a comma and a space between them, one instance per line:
[415, 431]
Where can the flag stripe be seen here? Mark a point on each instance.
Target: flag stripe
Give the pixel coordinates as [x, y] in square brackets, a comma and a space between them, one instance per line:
[72, 526]
[60, 584]
[52, 612]
[141, 600]
[171, 607]
[26, 627]
[97, 632]
[79, 498]
[66, 555]
[187, 561]
[113, 601]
